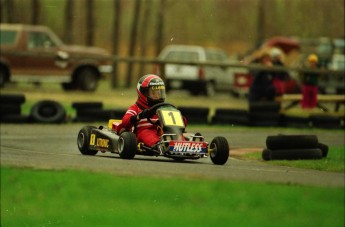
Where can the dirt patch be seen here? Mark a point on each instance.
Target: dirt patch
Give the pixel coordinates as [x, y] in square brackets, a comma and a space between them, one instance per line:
[238, 152]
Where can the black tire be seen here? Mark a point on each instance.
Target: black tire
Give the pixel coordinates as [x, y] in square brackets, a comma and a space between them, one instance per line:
[323, 148]
[296, 154]
[219, 150]
[12, 98]
[87, 79]
[295, 121]
[231, 120]
[17, 118]
[10, 109]
[98, 114]
[264, 107]
[83, 141]
[87, 105]
[270, 119]
[325, 121]
[127, 145]
[230, 116]
[291, 142]
[266, 154]
[48, 111]
[196, 115]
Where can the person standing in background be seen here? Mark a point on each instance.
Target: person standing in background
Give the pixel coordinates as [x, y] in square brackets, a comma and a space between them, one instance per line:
[262, 88]
[310, 84]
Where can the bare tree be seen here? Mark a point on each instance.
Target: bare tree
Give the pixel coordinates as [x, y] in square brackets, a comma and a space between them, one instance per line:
[261, 22]
[145, 19]
[160, 26]
[116, 40]
[69, 21]
[36, 10]
[89, 22]
[133, 41]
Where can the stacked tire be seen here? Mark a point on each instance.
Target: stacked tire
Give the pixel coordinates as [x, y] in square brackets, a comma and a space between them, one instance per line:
[264, 114]
[10, 109]
[294, 147]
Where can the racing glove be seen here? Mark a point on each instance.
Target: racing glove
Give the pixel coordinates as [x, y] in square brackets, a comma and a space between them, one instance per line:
[145, 114]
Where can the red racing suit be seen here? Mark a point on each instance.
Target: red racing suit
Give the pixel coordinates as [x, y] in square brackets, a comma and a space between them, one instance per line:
[145, 131]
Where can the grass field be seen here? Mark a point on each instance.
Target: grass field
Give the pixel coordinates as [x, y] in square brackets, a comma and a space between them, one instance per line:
[74, 198]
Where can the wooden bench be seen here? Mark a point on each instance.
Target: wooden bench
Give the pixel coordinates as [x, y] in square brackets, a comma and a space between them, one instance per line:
[295, 99]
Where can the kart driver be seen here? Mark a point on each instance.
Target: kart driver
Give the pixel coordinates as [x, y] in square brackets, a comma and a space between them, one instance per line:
[151, 91]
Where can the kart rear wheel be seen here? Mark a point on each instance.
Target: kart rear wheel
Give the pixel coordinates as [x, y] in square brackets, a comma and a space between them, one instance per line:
[219, 150]
[83, 141]
[127, 145]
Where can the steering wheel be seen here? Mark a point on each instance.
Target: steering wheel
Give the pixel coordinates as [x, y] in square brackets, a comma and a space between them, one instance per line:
[154, 108]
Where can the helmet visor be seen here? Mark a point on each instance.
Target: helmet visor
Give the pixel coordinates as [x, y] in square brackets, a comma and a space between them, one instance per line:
[157, 92]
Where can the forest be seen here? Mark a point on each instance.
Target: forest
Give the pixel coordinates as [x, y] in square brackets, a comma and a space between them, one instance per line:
[144, 27]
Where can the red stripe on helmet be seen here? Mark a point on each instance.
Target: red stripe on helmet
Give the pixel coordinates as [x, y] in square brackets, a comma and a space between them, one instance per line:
[148, 79]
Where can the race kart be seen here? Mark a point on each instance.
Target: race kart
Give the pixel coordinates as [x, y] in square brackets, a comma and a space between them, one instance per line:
[174, 142]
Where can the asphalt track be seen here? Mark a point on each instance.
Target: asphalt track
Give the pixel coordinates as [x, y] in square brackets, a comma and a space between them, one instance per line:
[54, 147]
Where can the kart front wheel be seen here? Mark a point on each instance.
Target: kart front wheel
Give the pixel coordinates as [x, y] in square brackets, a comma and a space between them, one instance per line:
[219, 150]
[83, 141]
[127, 145]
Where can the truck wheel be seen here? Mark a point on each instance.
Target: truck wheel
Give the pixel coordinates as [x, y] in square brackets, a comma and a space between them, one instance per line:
[83, 141]
[127, 145]
[88, 79]
[219, 150]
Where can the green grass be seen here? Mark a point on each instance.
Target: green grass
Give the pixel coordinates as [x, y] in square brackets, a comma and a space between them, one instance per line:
[75, 198]
[335, 161]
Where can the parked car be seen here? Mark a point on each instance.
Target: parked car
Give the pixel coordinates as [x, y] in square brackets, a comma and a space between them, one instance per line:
[196, 79]
[33, 53]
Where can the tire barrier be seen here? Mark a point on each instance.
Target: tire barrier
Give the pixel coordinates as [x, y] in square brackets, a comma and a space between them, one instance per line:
[48, 111]
[293, 147]
[195, 115]
[295, 121]
[264, 114]
[325, 121]
[10, 109]
[266, 119]
[85, 111]
[259, 114]
[231, 116]
[94, 112]
[264, 107]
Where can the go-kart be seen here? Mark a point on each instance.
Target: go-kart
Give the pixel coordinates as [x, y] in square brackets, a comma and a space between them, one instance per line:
[174, 142]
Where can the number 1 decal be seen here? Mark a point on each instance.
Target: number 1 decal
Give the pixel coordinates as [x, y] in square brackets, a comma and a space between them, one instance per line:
[171, 114]
[172, 118]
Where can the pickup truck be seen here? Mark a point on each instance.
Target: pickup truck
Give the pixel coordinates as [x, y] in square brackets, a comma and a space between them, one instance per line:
[204, 80]
[33, 53]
